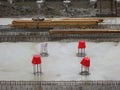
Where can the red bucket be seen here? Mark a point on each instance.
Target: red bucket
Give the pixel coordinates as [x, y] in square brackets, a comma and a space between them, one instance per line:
[36, 59]
[81, 44]
[85, 62]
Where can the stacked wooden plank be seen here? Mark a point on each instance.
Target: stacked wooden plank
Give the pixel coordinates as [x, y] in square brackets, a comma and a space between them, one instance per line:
[57, 22]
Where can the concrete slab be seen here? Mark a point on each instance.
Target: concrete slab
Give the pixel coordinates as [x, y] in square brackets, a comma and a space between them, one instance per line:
[62, 62]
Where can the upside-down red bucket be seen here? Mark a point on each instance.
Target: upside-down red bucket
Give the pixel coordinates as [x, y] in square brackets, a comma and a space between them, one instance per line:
[85, 62]
[36, 59]
[81, 44]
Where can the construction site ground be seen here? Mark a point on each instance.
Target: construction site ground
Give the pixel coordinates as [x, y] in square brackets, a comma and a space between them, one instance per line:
[62, 64]
[81, 8]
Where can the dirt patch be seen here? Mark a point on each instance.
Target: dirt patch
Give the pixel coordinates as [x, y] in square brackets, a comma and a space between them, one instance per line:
[50, 9]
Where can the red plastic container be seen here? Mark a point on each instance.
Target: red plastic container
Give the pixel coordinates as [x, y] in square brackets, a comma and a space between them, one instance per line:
[85, 61]
[81, 44]
[36, 59]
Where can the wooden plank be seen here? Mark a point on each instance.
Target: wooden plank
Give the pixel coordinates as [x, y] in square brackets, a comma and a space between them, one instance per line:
[82, 31]
[68, 22]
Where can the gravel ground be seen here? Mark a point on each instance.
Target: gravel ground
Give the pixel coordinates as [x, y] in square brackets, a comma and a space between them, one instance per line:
[51, 9]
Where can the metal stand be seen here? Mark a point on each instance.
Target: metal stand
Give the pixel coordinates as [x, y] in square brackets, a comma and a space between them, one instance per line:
[84, 71]
[81, 54]
[44, 50]
[37, 68]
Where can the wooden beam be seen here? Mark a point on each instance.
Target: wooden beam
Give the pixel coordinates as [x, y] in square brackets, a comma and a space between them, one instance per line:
[83, 31]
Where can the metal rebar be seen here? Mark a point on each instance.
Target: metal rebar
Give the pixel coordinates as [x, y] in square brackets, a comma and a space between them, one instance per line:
[37, 69]
[34, 69]
[40, 68]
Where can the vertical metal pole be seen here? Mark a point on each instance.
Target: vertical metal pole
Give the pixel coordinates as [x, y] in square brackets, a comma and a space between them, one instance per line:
[40, 68]
[84, 51]
[81, 51]
[46, 49]
[81, 68]
[37, 68]
[34, 69]
[88, 69]
[111, 2]
[115, 7]
[100, 7]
